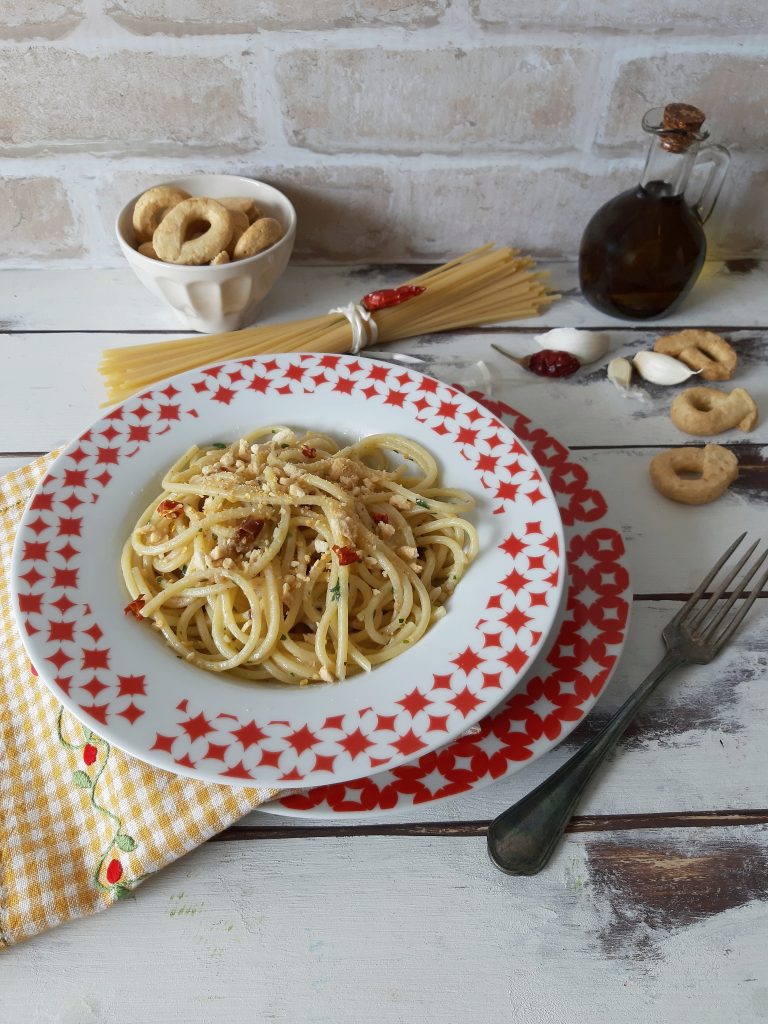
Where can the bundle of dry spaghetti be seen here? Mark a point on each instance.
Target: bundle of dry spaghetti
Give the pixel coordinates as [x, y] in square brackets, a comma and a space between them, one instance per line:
[484, 286]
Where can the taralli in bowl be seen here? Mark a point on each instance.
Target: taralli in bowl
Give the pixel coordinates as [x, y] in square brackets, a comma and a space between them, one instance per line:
[707, 411]
[704, 351]
[715, 467]
[179, 238]
[191, 231]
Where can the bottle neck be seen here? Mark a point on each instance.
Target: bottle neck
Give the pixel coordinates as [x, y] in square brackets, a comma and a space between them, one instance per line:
[667, 173]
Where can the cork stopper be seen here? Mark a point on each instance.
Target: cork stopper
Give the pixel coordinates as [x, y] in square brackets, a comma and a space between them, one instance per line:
[681, 127]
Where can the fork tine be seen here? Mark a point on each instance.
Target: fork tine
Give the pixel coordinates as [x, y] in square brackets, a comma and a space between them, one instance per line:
[738, 592]
[707, 580]
[698, 619]
[735, 622]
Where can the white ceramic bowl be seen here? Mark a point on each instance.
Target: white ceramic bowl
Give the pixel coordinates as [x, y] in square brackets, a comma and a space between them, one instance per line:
[225, 297]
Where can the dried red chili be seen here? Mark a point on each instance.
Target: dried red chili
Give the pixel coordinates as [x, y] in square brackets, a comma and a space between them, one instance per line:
[549, 363]
[346, 556]
[134, 608]
[387, 297]
[308, 451]
[170, 509]
[380, 517]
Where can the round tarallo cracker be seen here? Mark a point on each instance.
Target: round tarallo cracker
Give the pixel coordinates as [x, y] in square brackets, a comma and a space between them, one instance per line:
[704, 351]
[715, 467]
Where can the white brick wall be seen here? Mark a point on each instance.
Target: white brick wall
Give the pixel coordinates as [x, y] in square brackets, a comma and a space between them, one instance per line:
[402, 129]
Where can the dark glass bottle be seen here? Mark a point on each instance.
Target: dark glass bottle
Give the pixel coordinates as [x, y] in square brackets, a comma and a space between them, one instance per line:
[641, 252]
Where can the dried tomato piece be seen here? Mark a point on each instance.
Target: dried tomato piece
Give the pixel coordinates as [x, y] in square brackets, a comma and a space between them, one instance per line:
[380, 517]
[390, 297]
[248, 531]
[308, 451]
[346, 556]
[134, 608]
[170, 509]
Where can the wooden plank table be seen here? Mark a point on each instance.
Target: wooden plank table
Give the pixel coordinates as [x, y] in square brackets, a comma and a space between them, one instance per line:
[655, 906]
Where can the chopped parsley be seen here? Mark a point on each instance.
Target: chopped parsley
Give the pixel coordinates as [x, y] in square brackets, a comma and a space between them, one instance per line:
[421, 503]
[401, 620]
[219, 444]
[284, 637]
[336, 590]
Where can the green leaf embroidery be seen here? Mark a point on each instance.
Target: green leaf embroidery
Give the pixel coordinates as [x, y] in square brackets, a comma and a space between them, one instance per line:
[124, 842]
[82, 779]
[336, 590]
[422, 503]
[121, 891]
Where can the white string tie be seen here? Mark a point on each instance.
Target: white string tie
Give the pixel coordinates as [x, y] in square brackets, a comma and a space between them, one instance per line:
[364, 329]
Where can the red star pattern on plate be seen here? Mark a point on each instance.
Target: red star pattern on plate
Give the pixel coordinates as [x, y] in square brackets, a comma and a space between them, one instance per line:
[196, 727]
[467, 661]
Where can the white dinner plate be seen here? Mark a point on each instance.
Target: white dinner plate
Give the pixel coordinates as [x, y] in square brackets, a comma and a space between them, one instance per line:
[119, 677]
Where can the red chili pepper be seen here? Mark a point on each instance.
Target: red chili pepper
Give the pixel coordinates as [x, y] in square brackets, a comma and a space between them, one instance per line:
[248, 530]
[169, 508]
[390, 297]
[550, 363]
[380, 517]
[134, 608]
[346, 556]
[308, 451]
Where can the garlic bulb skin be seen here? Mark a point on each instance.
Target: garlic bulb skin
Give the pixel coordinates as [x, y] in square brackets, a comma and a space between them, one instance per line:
[661, 369]
[587, 346]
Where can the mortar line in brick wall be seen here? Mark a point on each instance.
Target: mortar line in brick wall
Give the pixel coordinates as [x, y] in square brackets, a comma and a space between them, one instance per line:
[629, 43]
[274, 158]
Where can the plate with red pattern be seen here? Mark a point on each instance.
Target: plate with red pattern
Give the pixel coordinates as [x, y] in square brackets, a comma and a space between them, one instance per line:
[559, 689]
[120, 678]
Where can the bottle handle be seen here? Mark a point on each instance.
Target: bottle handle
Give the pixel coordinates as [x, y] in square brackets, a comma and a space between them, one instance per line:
[719, 158]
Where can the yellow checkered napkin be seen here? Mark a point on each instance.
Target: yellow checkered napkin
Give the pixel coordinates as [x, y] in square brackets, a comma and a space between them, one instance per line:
[81, 823]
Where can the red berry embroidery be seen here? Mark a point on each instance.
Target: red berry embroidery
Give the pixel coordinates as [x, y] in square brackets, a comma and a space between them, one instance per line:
[114, 871]
[90, 753]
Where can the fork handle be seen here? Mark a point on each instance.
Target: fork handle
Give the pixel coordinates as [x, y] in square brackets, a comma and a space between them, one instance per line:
[523, 838]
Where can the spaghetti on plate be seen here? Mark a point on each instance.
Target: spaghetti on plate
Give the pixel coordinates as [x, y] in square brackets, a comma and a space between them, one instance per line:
[288, 558]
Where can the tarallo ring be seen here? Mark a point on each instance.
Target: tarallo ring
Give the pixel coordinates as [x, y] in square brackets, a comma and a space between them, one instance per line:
[171, 240]
[704, 351]
[151, 207]
[707, 411]
[262, 234]
[716, 468]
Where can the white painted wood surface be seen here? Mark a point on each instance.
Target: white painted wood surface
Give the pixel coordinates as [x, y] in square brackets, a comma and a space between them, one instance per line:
[661, 924]
[407, 931]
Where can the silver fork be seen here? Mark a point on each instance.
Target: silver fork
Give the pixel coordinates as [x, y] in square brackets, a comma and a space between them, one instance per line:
[523, 838]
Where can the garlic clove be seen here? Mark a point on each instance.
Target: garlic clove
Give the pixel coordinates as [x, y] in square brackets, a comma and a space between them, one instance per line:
[587, 346]
[661, 369]
[620, 373]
